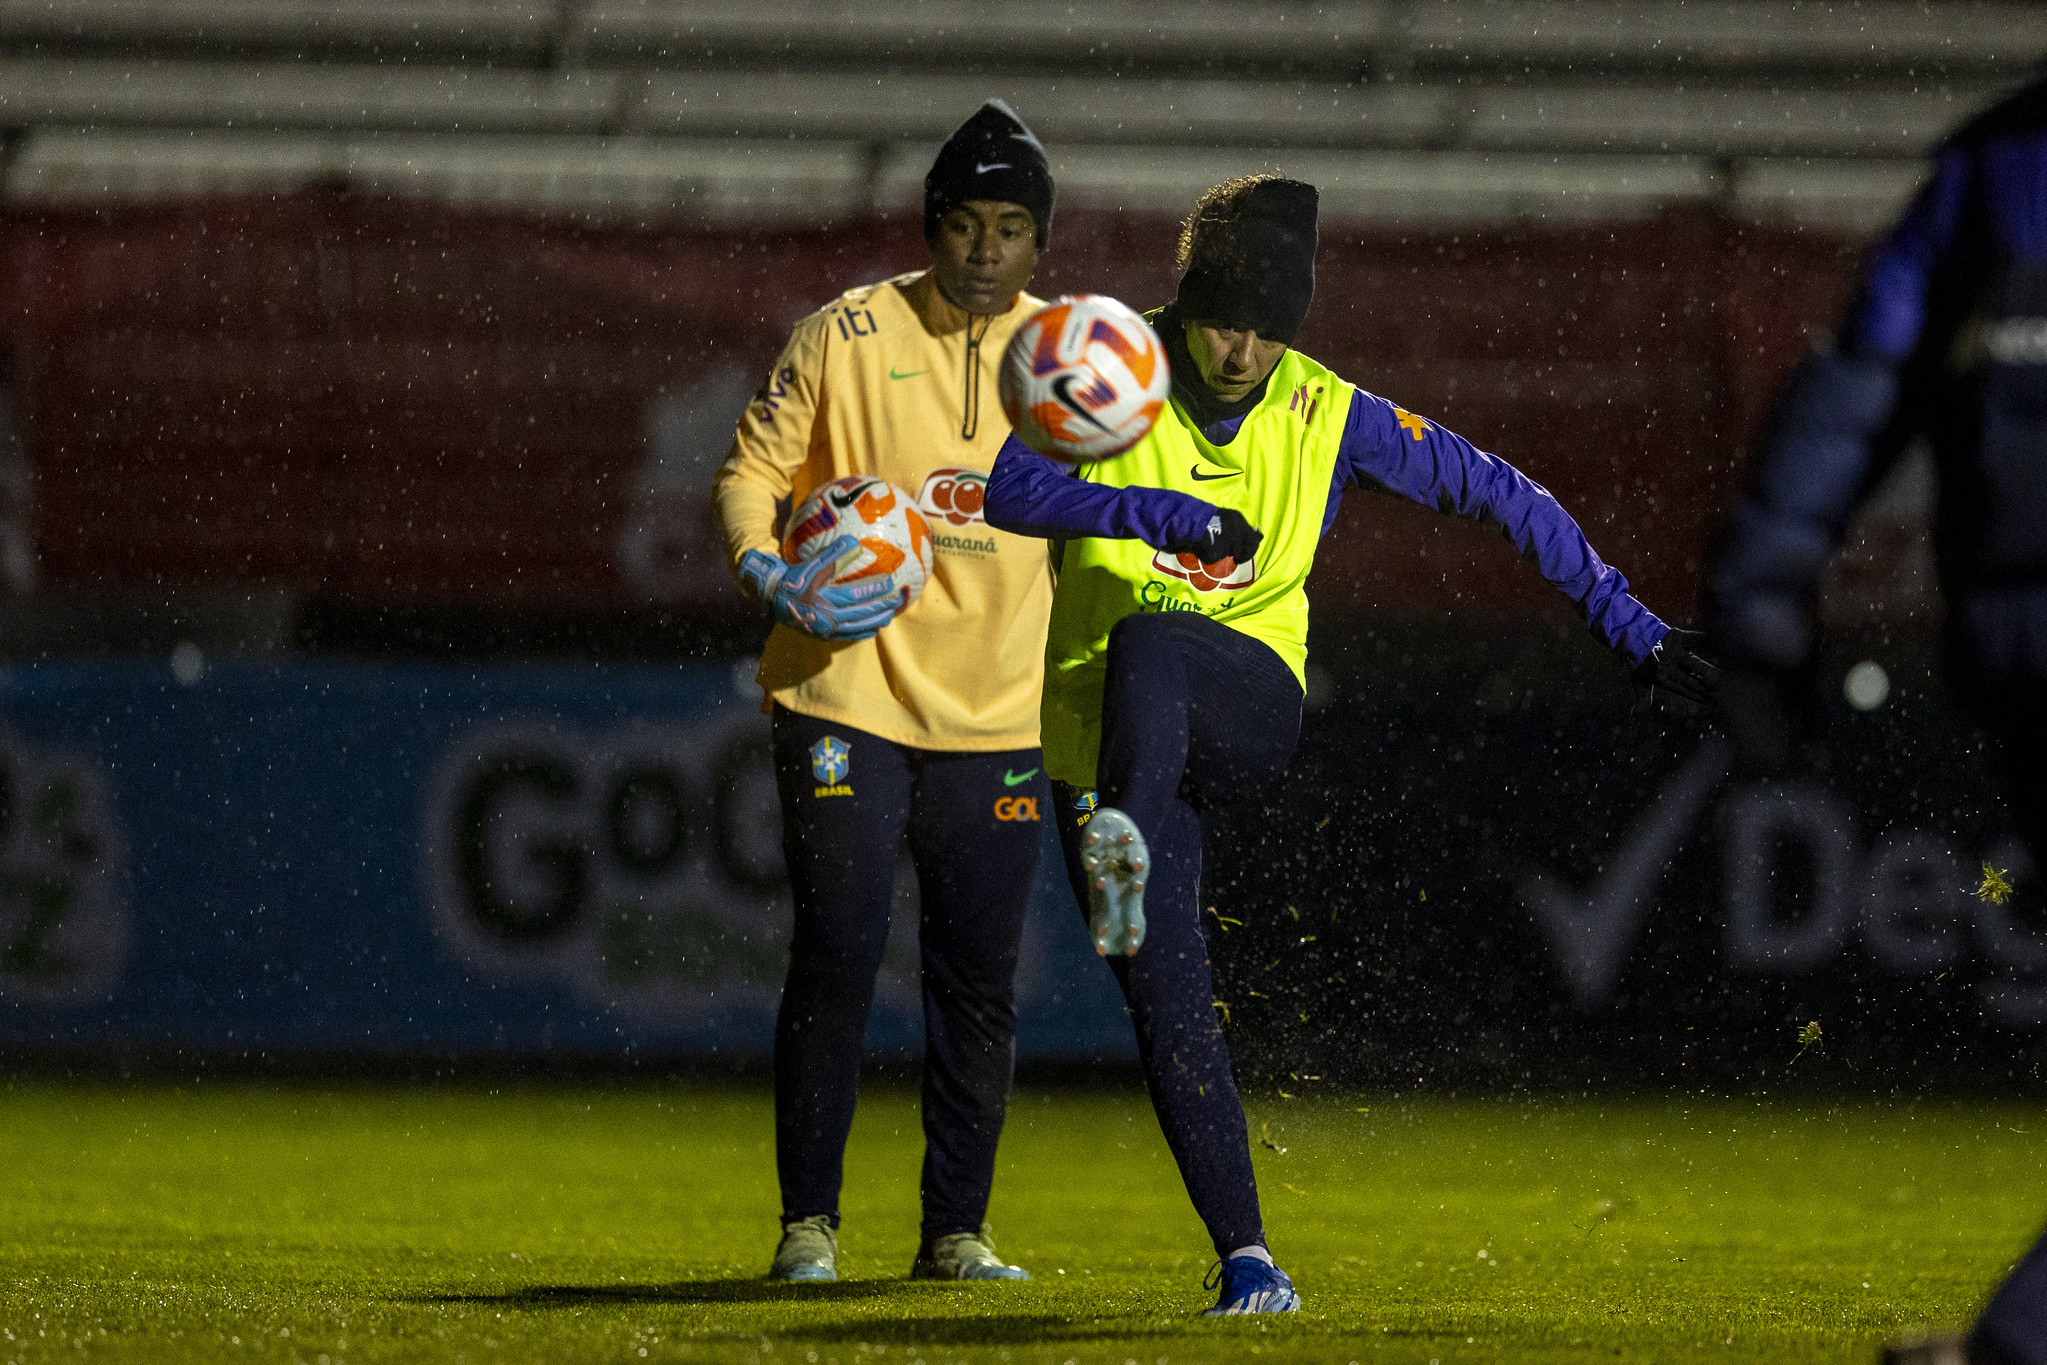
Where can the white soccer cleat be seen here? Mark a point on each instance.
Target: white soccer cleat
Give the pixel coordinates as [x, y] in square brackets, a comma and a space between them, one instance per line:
[809, 1252]
[1113, 855]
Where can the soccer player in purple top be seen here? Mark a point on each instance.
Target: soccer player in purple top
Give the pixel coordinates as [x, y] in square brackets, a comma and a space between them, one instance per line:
[1178, 639]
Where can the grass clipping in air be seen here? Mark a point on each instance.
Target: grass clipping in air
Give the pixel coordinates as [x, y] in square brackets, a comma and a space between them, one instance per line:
[1808, 1037]
[1995, 888]
[563, 1224]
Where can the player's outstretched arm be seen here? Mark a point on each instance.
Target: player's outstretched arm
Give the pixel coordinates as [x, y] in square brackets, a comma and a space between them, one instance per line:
[1389, 450]
[1029, 495]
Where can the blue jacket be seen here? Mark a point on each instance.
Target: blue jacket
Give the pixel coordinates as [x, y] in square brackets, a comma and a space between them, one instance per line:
[1030, 495]
[1947, 339]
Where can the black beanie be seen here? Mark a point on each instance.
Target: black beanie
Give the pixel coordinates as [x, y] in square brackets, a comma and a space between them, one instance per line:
[1251, 261]
[991, 156]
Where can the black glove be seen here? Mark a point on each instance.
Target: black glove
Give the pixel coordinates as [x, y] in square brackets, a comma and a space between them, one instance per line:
[1769, 716]
[1675, 667]
[1228, 536]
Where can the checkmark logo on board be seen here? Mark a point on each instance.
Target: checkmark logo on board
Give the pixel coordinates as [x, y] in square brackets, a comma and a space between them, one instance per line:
[1011, 779]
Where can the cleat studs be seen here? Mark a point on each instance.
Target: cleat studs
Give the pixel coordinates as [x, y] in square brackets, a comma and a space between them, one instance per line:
[1137, 886]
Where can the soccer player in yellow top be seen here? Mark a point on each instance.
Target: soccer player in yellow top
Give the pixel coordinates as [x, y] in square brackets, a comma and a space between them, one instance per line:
[923, 725]
[1179, 637]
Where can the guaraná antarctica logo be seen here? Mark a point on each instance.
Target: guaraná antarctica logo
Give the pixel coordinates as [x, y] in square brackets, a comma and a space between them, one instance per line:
[1223, 577]
[951, 500]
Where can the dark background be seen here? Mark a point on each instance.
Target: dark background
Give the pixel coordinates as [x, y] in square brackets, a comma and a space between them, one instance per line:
[326, 422]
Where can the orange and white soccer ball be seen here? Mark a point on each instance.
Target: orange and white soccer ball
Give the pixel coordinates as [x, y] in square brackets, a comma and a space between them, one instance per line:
[895, 540]
[1084, 378]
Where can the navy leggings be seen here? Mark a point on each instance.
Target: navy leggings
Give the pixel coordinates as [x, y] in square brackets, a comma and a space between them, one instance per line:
[848, 798]
[1195, 715]
[2013, 1328]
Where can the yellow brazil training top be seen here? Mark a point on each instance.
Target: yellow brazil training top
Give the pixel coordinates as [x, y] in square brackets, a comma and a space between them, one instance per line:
[892, 380]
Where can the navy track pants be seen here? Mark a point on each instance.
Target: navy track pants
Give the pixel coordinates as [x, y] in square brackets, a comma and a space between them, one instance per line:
[1195, 715]
[2013, 1328]
[848, 799]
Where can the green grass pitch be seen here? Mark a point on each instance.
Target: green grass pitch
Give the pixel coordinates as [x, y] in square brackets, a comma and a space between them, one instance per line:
[229, 1222]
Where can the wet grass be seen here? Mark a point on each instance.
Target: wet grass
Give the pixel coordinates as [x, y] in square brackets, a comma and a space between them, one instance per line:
[237, 1222]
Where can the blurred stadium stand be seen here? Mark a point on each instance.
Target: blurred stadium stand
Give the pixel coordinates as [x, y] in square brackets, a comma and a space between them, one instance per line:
[1446, 108]
[447, 307]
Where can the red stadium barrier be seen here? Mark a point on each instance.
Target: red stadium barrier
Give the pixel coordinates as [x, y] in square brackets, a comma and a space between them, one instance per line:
[394, 402]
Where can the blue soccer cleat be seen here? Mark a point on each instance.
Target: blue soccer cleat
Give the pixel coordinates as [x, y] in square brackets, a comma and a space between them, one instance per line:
[1250, 1285]
[1113, 855]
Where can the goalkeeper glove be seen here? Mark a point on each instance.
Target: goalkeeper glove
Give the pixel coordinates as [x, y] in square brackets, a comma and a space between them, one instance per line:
[804, 598]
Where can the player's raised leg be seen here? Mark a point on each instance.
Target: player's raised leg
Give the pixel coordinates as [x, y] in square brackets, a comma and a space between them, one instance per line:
[844, 797]
[1197, 716]
[975, 821]
[1167, 987]
[1193, 709]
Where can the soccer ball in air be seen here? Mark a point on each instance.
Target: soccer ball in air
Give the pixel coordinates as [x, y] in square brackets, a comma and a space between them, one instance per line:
[1084, 378]
[895, 540]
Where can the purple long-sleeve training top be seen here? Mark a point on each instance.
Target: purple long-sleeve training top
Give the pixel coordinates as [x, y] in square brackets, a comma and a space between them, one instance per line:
[1032, 496]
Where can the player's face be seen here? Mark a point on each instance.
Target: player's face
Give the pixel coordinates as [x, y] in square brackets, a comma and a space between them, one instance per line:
[1232, 360]
[984, 254]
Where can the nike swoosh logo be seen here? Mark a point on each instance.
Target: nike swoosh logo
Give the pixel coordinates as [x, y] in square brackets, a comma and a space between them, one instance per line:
[1196, 472]
[1061, 390]
[1010, 779]
[911, 375]
[980, 169]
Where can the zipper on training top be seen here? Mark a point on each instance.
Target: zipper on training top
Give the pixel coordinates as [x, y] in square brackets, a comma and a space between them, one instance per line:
[970, 419]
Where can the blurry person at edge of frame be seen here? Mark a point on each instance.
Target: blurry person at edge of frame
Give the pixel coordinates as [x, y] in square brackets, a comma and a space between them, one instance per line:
[918, 725]
[1178, 643]
[1947, 341]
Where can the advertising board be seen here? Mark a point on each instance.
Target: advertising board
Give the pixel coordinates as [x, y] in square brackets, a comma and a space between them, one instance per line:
[303, 859]
[324, 859]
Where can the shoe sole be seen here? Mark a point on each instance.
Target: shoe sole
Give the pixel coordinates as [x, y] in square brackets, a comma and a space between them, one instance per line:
[1289, 1302]
[807, 1274]
[1114, 856]
[1009, 1274]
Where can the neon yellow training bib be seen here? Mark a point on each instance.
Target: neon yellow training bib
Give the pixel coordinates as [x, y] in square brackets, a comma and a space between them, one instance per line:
[1276, 472]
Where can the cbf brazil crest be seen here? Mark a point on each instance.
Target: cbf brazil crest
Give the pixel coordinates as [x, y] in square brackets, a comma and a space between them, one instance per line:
[830, 760]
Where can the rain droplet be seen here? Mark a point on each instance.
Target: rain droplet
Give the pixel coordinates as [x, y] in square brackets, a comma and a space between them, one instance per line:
[1867, 686]
[188, 663]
